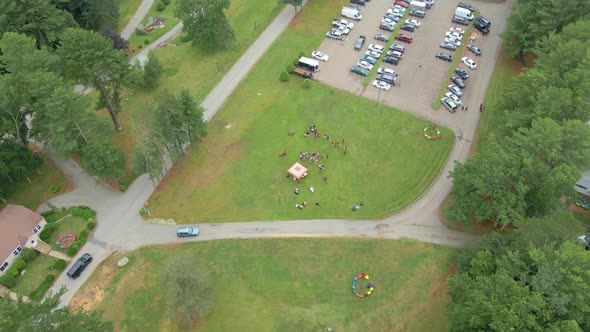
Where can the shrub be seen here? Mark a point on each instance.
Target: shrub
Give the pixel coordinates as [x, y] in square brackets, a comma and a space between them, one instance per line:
[34, 295]
[16, 267]
[301, 53]
[166, 2]
[307, 83]
[55, 188]
[290, 68]
[284, 76]
[160, 6]
[84, 212]
[139, 46]
[38, 293]
[91, 225]
[80, 242]
[28, 254]
[84, 234]
[72, 251]
[146, 41]
[123, 187]
[8, 280]
[50, 227]
[295, 61]
[59, 265]
[45, 234]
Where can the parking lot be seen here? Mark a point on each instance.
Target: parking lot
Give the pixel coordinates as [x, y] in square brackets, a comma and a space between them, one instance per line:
[420, 73]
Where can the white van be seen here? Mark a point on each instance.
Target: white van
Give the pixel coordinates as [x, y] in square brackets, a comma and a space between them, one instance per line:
[464, 13]
[449, 104]
[351, 13]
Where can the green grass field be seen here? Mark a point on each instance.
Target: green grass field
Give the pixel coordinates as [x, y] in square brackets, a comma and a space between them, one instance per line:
[31, 195]
[237, 174]
[282, 285]
[36, 272]
[126, 10]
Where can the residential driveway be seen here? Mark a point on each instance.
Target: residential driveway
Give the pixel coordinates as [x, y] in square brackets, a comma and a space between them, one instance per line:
[121, 228]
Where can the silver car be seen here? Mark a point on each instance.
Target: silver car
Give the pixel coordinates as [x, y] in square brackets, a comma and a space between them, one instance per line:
[187, 232]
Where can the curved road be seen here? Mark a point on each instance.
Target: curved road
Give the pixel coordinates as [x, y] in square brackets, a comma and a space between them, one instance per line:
[120, 227]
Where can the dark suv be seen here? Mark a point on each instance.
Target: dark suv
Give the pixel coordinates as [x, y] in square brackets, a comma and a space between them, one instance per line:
[481, 28]
[359, 43]
[483, 21]
[79, 266]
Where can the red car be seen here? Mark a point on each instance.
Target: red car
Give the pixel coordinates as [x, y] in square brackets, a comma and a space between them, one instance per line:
[402, 3]
[404, 37]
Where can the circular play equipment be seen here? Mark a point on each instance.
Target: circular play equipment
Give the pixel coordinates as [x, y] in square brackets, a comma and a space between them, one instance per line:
[65, 241]
[361, 286]
[432, 133]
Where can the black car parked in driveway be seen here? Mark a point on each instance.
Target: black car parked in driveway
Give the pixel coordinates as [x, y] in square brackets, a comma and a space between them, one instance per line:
[391, 60]
[79, 266]
[458, 81]
[483, 21]
[462, 73]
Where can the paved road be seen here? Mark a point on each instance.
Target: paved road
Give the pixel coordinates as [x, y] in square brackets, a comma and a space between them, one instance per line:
[121, 229]
[139, 15]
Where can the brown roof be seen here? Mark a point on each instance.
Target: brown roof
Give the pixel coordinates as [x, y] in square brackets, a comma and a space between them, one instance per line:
[16, 226]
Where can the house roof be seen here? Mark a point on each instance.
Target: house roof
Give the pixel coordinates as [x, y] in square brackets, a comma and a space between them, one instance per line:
[16, 226]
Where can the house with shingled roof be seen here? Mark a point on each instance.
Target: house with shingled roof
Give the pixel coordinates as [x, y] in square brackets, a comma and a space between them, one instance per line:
[19, 228]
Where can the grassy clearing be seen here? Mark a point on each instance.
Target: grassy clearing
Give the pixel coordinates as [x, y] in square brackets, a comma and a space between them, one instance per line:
[392, 40]
[73, 225]
[282, 285]
[31, 195]
[126, 10]
[241, 176]
[36, 272]
[136, 42]
[456, 58]
[504, 70]
[191, 68]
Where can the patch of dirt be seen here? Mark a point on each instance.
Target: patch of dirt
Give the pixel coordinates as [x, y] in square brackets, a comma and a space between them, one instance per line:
[88, 298]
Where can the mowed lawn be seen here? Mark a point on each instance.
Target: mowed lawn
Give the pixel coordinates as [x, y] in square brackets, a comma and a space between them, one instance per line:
[127, 9]
[32, 194]
[282, 285]
[236, 173]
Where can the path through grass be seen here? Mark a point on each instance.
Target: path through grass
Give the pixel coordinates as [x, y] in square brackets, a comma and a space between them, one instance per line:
[282, 285]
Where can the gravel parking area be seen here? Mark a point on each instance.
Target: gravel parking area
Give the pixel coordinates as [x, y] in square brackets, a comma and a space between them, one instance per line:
[420, 73]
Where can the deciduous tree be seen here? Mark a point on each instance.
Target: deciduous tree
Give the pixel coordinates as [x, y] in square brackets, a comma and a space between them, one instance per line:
[188, 290]
[39, 19]
[152, 70]
[119, 43]
[205, 23]
[90, 58]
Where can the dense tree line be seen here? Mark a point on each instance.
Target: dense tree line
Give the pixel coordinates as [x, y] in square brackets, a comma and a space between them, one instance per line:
[532, 20]
[534, 279]
[541, 146]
